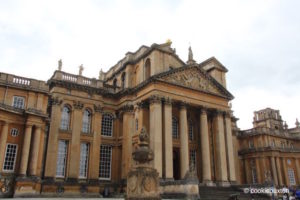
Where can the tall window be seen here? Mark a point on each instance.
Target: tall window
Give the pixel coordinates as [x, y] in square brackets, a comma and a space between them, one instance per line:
[10, 157]
[86, 121]
[105, 162]
[14, 132]
[175, 127]
[123, 77]
[84, 157]
[193, 158]
[65, 118]
[191, 130]
[147, 69]
[251, 144]
[61, 158]
[291, 175]
[253, 171]
[107, 125]
[18, 102]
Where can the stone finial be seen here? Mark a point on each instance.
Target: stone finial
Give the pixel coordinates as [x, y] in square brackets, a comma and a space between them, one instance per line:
[285, 125]
[190, 57]
[297, 123]
[101, 75]
[81, 69]
[59, 64]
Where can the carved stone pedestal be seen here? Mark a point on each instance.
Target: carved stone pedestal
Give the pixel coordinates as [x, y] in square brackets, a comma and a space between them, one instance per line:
[143, 183]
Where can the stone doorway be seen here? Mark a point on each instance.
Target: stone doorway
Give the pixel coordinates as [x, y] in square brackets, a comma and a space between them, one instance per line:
[176, 164]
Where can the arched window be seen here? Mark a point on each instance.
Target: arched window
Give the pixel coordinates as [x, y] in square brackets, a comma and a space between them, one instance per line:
[147, 69]
[175, 127]
[107, 125]
[191, 130]
[86, 121]
[65, 118]
[123, 77]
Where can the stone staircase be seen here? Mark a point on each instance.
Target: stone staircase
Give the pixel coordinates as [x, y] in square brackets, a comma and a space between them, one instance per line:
[224, 193]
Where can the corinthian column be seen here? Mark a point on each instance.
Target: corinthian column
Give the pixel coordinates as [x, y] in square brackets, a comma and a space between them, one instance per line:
[128, 130]
[35, 151]
[232, 177]
[25, 150]
[156, 132]
[184, 141]
[206, 168]
[168, 139]
[221, 150]
[75, 141]
[3, 138]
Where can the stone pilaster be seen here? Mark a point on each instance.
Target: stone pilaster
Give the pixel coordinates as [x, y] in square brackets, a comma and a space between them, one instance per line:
[284, 172]
[206, 168]
[279, 171]
[75, 141]
[184, 141]
[274, 172]
[35, 150]
[297, 169]
[231, 164]
[50, 168]
[168, 139]
[156, 132]
[25, 150]
[128, 130]
[95, 147]
[221, 150]
[3, 139]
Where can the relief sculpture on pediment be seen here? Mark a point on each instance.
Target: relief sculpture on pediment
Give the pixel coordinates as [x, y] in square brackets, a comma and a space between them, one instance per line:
[192, 79]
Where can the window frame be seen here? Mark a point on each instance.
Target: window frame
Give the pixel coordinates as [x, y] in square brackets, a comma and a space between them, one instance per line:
[175, 130]
[15, 158]
[15, 131]
[112, 125]
[110, 162]
[87, 161]
[88, 123]
[191, 130]
[292, 179]
[14, 101]
[66, 142]
[69, 118]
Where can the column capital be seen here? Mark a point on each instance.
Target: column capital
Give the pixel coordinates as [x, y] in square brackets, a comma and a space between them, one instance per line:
[219, 112]
[183, 104]
[154, 99]
[98, 108]
[38, 126]
[55, 101]
[5, 123]
[28, 125]
[142, 104]
[127, 108]
[203, 110]
[78, 105]
[168, 101]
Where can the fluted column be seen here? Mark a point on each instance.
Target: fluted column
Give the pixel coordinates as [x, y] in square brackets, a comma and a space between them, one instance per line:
[75, 141]
[3, 139]
[156, 132]
[168, 139]
[279, 172]
[35, 150]
[221, 150]
[128, 130]
[184, 141]
[95, 148]
[274, 172]
[206, 168]
[50, 168]
[25, 150]
[231, 164]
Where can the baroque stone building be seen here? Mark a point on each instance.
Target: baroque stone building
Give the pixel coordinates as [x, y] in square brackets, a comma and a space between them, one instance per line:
[270, 152]
[75, 135]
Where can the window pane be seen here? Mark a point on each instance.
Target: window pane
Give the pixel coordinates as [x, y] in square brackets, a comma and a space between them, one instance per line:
[107, 125]
[105, 162]
[18, 102]
[86, 121]
[175, 128]
[193, 158]
[291, 176]
[61, 158]
[65, 118]
[84, 156]
[191, 131]
[10, 157]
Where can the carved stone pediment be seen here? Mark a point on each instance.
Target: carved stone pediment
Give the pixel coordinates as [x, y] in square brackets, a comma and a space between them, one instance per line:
[193, 78]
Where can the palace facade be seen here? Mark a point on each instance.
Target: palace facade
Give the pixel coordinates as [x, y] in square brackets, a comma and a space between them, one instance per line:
[74, 135]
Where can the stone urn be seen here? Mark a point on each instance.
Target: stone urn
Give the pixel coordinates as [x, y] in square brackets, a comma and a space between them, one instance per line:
[142, 180]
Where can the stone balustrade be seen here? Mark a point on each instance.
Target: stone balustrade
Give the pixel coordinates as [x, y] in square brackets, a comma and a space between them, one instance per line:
[19, 81]
[265, 130]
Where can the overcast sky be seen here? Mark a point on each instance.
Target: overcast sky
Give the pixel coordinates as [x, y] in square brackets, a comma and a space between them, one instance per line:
[258, 41]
